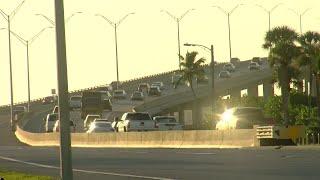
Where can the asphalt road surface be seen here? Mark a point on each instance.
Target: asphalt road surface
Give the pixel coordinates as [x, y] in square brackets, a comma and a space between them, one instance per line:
[266, 163]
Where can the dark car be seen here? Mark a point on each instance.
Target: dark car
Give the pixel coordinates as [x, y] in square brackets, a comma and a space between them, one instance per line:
[143, 87]
[137, 96]
[257, 60]
[154, 91]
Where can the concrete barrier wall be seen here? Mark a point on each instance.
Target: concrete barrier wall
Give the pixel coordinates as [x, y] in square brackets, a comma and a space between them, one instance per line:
[155, 139]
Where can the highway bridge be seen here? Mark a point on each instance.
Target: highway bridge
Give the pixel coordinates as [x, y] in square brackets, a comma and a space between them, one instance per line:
[155, 163]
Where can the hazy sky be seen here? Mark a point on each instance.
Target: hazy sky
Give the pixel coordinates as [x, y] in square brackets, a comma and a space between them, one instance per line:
[147, 40]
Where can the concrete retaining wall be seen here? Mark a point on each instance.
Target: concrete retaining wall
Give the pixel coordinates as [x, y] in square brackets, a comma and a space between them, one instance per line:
[156, 139]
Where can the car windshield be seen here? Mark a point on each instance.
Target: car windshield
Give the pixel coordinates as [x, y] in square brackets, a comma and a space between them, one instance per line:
[76, 98]
[166, 120]
[53, 117]
[102, 124]
[138, 116]
[118, 92]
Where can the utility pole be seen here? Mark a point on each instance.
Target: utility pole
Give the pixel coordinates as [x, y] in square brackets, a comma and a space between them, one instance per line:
[64, 116]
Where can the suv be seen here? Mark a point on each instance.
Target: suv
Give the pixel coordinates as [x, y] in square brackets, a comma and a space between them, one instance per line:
[241, 118]
[50, 121]
[137, 96]
[143, 87]
[235, 60]
[224, 74]
[75, 102]
[154, 91]
[135, 121]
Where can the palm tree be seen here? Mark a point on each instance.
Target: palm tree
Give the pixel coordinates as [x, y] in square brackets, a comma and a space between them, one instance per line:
[190, 69]
[310, 57]
[281, 41]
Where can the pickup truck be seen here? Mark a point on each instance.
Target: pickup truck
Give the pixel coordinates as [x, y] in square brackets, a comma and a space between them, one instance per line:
[135, 121]
[91, 103]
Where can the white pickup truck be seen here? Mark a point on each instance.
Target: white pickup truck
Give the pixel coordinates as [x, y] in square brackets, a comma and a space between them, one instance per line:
[135, 121]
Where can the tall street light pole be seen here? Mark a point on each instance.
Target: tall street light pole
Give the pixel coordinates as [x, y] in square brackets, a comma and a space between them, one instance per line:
[309, 88]
[8, 18]
[300, 16]
[62, 76]
[178, 19]
[27, 43]
[269, 12]
[212, 73]
[228, 14]
[115, 25]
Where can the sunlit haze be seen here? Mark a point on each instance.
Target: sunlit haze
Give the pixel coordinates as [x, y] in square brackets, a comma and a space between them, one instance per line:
[147, 40]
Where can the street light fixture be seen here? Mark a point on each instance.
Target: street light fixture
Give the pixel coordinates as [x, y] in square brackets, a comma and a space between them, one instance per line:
[8, 18]
[300, 16]
[178, 19]
[269, 11]
[27, 43]
[212, 72]
[115, 25]
[53, 23]
[228, 15]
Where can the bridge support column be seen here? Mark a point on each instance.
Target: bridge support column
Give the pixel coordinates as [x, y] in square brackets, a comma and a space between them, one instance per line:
[235, 94]
[253, 91]
[268, 90]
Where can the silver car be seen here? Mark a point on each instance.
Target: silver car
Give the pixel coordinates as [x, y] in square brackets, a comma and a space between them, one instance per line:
[224, 74]
[166, 123]
[100, 127]
[50, 120]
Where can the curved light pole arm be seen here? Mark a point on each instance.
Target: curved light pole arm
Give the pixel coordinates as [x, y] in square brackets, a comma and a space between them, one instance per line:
[235, 8]
[22, 40]
[294, 11]
[109, 21]
[48, 19]
[274, 7]
[4, 15]
[187, 44]
[172, 16]
[124, 17]
[38, 34]
[14, 12]
[68, 19]
[263, 8]
[305, 11]
[185, 13]
[221, 9]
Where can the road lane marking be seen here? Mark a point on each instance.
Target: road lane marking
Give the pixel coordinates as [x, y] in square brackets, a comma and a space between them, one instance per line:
[204, 153]
[83, 171]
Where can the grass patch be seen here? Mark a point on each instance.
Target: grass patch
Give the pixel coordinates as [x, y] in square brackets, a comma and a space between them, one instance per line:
[11, 175]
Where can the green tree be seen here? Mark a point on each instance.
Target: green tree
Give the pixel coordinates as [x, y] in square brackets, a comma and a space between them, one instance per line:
[191, 69]
[310, 57]
[281, 41]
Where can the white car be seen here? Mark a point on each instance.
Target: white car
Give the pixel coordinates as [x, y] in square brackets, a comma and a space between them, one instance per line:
[56, 127]
[159, 84]
[224, 74]
[75, 102]
[229, 67]
[100, 127]
[119, 94]
[254, 66]
[50, 120]
[135, 121]
[165, 123]
[89, 119]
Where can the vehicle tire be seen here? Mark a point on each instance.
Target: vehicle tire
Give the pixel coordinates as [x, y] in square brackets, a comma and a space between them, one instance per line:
[117, 129]
[125, 129]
